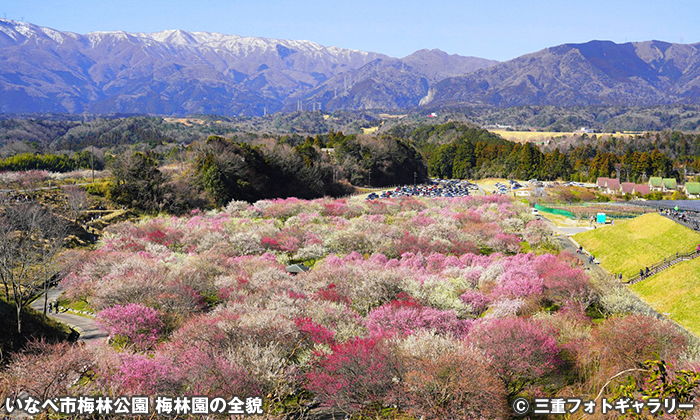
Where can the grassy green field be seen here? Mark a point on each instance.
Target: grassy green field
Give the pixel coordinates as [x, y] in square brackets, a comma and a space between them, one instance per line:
[636, 243]
[676, 292]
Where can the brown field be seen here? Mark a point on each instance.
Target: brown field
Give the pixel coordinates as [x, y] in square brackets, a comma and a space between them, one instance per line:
[538, 136]
[187, 121]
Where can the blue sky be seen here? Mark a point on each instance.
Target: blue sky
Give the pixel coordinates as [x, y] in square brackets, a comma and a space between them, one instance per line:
[496, 29]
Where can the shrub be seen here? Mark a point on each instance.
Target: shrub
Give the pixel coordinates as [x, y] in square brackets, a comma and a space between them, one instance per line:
[476, 301]
[45, 370]
[137, 324]
[454, 385]
[144, 375]
[399, 318]
[623, 342]
[519, 281]
[317, 333]
[356, 375]
[521, 351]
[538, 234]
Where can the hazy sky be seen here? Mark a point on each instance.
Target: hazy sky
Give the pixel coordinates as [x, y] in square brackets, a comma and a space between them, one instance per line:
[496, 29]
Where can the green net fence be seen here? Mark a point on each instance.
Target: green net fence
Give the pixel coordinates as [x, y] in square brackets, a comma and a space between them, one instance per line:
[560, 212]
[587, 210]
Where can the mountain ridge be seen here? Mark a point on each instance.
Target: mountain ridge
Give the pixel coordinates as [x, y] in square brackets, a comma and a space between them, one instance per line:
[175, 72]
[591, 73]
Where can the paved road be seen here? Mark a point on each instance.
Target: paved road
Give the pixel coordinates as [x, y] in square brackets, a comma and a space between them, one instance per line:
[568, 244]
[564, 230]
[570, 231]
[87, 327]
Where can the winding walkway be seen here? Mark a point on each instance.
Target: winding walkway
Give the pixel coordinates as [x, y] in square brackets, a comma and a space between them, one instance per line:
[87, 327]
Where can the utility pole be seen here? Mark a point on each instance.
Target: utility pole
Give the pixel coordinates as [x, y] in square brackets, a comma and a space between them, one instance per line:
[415, 176]
[92, 152]
[92, 163]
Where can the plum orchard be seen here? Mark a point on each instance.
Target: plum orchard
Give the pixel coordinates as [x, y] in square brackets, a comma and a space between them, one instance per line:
[422, 308]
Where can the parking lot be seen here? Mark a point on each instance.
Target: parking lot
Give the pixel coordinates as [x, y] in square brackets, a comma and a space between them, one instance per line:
[436, 188]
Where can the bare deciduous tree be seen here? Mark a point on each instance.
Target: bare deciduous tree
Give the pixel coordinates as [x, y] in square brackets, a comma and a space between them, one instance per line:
[30, 239]
[76, 200]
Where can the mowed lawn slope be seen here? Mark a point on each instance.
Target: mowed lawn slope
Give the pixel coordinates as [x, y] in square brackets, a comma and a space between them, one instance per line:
[637, 243]
[675, 291]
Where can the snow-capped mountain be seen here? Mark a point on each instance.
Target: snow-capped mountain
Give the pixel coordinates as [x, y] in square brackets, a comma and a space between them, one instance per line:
[179, 72]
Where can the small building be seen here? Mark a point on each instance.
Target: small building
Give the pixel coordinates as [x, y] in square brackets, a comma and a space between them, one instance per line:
[296, 269]
[669, 184]
[613, 186]
[602, 182]
[692, 188]
[627, 187]
[642, 189]
[656, 183]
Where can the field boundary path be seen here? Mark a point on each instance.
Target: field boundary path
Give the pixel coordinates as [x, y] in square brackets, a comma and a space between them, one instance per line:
[87, 327]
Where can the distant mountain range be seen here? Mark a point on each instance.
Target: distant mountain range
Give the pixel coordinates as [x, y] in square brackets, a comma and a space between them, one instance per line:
[180, 73]
[594, 73]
